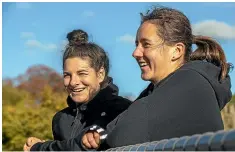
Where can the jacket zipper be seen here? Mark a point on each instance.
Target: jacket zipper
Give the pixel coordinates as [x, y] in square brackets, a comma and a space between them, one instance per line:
[75, 124]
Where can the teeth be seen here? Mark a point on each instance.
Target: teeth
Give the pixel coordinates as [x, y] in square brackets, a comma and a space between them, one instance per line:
[142, 64]
[78, 90]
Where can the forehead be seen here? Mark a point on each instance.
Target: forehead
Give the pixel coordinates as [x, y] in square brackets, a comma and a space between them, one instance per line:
[147, 31]
[76, 63]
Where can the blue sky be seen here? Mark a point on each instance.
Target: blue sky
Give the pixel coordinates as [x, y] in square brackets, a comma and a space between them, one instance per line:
[35, 33]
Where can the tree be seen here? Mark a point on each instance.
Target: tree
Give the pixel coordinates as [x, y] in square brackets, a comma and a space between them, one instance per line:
[228, 114]
[31, 100]
[26, 117]
[37, 77]
[29, 104]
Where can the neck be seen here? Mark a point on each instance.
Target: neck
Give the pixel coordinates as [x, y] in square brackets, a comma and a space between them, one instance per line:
[167, 72]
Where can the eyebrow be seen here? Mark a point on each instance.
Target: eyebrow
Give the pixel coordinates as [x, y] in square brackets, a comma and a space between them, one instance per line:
[143, 40]
[65, 72]
[81, 70]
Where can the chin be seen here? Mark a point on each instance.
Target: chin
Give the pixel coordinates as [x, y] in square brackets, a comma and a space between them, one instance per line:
[79, 100]
[145, 77]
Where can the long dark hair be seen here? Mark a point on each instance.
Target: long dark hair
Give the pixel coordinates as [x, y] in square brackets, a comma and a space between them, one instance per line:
[174, 27]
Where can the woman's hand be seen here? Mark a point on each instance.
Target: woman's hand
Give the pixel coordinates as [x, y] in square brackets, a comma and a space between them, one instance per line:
[91, 140]
[30, 142]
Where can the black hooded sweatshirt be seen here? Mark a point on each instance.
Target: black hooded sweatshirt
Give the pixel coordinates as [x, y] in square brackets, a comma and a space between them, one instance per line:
[68, 123]
[186, 102]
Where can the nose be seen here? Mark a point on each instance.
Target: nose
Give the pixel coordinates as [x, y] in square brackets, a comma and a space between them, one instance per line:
[74, 80]
[138, 53]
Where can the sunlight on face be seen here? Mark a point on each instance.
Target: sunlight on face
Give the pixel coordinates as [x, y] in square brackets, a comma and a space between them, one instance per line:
[150, 53]
[80, 79]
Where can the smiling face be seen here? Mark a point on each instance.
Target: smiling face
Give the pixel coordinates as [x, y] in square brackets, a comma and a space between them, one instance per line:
[81, 81]
[153, 57]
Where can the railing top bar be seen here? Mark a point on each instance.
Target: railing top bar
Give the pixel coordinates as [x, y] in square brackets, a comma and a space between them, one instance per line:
[220, 140]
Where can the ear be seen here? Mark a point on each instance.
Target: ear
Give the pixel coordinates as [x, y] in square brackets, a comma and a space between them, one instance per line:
[101, 74]
[177, 51]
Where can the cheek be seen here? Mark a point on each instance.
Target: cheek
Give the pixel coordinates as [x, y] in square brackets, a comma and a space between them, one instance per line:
[92, 83]
[149, 55]
[66, 81]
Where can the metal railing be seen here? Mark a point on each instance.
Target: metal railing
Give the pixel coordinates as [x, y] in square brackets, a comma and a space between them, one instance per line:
[210, 141]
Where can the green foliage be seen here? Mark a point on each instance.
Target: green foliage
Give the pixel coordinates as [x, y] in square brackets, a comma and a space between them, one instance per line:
[24, 116]
[12, 95]
[28, 108]
[232, 101]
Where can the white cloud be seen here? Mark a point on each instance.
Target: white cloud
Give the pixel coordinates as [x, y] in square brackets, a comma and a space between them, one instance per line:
[88, 13]
[27, 35]
[37, 44]
[23, 5]
[50, 46]
[221, 5]
[33, 43]
[215, 29]
[127, 38]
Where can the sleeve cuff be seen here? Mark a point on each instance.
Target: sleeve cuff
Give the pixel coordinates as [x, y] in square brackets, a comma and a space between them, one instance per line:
[100, 130]
[36, 147]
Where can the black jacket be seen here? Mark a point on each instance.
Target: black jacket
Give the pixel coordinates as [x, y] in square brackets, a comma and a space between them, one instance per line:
[68, 123]
[187, 102]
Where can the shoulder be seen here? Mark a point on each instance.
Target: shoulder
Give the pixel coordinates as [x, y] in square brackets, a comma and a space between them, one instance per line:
[60, 113]
[184, 85]
[187, 78]
[119, 101]
[117, 104]
[188, 73]
[186, 91]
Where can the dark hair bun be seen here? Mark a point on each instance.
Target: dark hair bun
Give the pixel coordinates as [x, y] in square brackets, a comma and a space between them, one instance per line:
[77, 37]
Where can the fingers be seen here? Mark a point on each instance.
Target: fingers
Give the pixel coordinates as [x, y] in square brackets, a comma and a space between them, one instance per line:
[91, 140]
[26, 148]
[97, 137]
[85, 142]
[33, 140]
[29, 141]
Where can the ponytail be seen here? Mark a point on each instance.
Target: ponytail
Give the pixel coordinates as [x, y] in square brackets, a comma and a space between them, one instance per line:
[210, 51]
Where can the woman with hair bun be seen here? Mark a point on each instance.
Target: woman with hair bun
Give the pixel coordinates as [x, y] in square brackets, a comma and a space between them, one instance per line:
[93, 98]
